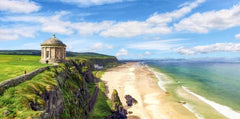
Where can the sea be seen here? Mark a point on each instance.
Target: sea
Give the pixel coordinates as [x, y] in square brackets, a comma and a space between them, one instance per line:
[215, 84]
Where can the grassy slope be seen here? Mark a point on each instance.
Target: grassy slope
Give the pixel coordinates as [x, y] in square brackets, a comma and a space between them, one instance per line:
[16, 99]
[11, 66]
[102, 106]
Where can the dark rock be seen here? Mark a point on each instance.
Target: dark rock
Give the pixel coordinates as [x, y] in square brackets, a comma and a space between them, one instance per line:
[118, 111]
[88, 76]
[130, 112]
[54, 104]
[121, 113]
[182, 102]
[130, 100]
[116, 115]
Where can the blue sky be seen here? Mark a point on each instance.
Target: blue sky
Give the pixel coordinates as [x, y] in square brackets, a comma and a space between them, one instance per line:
[128, 29]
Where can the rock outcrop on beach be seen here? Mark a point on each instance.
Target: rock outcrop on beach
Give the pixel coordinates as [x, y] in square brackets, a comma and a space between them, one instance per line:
[118, 111]
[130, 100]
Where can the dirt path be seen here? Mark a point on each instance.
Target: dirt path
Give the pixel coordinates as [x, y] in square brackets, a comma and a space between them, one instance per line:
[95, 94]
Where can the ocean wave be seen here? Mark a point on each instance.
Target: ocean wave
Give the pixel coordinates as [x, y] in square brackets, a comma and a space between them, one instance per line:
[224, 110]
[160, 82]
[189, 108]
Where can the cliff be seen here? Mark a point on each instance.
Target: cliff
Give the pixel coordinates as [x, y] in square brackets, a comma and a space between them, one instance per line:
[58, 92]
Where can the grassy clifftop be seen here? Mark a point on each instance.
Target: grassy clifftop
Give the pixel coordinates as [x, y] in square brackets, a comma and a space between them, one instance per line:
[62, 92]
[15, 65]
[20, 60]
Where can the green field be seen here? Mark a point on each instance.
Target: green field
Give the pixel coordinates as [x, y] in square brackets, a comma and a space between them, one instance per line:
[15, 65]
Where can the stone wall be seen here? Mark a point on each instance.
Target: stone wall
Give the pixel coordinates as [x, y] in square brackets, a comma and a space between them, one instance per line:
[17, 80]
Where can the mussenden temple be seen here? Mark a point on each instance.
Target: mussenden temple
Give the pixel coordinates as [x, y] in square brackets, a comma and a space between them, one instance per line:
[53, 51]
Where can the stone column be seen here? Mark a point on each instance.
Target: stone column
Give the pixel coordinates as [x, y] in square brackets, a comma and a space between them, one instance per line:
[44, 52]
[64, 53]
[49, 52]
[41, 52]
[61, 52]
[54, 51]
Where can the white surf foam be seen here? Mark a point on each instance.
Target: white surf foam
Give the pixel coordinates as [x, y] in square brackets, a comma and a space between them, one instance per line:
[224, 110]
[189, 108]
[160, 82]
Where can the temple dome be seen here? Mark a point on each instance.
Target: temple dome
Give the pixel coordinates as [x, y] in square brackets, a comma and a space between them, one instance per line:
[53, 42]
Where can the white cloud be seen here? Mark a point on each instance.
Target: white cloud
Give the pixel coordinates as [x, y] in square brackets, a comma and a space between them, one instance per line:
[33, 45]
[133, 28]
[218, 47]
[237, 36]
[156, 45]
[147, 53]
[87, 28]
[156, 38]
[122, 52]
[54, 24]
[71, 44]
[16, 33]
[18, 6]
[163, 19]
[156, 24]
[100, 46]
[51, 24]
[85, 3]
[204, 22]
[185, 51]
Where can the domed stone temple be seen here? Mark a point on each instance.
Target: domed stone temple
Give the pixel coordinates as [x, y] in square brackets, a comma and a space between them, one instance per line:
[53, 51]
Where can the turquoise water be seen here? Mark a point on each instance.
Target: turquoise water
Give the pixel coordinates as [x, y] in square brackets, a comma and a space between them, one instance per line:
[219, 82]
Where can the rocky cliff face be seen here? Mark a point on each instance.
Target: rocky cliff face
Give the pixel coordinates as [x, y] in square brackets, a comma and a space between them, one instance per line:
[108, 62]
[54, 103]
[70, 98]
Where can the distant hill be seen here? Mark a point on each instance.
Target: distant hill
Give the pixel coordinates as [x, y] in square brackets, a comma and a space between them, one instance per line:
[21, 52]
[38, 53]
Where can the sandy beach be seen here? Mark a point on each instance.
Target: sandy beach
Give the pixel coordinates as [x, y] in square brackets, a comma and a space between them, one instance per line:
[153, 103]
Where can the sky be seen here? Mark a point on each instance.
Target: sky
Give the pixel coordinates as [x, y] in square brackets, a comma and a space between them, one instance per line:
[127, 29]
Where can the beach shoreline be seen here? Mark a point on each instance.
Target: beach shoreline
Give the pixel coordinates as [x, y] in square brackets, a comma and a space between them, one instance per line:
[135, 79]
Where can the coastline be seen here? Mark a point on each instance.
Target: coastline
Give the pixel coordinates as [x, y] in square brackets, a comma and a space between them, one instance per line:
[142, 84]
[161, 85]
[217, 110]
[224, 110]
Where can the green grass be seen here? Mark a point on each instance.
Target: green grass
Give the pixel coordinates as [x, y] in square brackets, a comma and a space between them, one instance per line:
[100, 73]
[15, 65]
[102, 107]
[16, 99]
